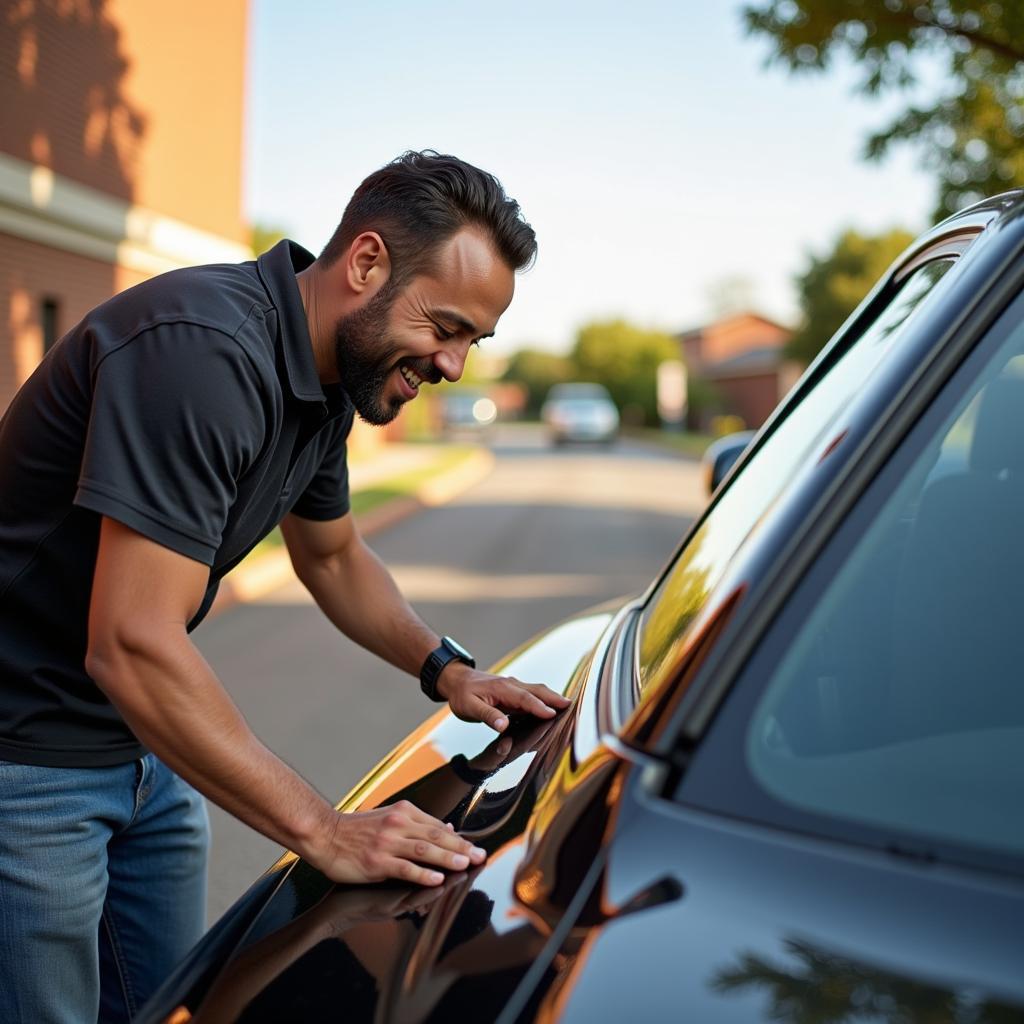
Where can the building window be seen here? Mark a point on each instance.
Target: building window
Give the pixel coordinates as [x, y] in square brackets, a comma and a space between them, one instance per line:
[50, 318]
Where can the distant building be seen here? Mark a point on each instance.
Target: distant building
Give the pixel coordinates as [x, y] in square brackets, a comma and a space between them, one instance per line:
[120, 156]
[743, 358]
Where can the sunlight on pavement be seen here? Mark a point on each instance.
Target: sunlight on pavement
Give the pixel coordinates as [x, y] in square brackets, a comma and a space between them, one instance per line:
[655, 486]
[445, 583]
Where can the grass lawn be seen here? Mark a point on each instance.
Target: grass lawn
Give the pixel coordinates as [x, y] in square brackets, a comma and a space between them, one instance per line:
[404, 485]
[693, 445]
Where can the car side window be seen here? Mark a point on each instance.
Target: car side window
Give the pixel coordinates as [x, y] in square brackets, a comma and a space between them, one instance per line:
[891, 690]
[796, 444]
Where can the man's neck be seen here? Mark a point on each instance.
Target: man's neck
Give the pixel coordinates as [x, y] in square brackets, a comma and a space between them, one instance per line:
[310, 282]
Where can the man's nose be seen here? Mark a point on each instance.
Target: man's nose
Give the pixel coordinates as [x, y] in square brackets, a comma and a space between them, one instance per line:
[451, 360]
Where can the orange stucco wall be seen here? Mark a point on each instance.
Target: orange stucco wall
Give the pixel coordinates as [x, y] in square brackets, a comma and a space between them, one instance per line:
[141, 100]
[186, 73]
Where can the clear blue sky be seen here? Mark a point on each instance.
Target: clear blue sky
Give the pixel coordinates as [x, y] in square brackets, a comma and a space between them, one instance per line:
[648, 145]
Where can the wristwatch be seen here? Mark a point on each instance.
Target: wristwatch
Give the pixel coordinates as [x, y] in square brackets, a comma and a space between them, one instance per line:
[436, 660]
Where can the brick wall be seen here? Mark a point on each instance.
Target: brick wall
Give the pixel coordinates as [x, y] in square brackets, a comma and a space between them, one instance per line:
[141, 100]
[30, 273]
[751, 397]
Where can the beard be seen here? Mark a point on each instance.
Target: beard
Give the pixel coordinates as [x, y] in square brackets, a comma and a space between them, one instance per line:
[366, 357]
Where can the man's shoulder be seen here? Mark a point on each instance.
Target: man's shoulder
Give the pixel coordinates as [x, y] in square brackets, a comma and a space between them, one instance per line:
[200, 313]
[218, 297]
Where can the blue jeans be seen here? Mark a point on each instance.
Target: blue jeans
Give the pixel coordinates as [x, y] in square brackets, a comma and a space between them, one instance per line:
[102, 888]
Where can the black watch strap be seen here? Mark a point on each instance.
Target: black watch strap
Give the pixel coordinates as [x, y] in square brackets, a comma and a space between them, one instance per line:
[436, 661]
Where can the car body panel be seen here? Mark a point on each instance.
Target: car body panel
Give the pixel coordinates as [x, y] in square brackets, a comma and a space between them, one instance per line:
[607, 896]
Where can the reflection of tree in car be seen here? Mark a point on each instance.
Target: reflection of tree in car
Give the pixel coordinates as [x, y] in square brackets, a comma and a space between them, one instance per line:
[686, 592]
[819, 987]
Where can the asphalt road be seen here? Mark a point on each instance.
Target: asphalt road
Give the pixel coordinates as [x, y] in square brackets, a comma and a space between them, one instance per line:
[548, 533]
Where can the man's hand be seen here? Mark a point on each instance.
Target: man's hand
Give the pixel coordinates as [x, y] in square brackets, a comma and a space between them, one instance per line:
[477, 696]
[396, 841]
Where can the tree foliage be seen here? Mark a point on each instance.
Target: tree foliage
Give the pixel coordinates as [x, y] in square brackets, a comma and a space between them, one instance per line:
[265, 236]
[537, 371]
[972, 134]
[834, 284]
[625, 359]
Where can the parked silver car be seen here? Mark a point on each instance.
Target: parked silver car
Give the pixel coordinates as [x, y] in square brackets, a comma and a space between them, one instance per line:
[580, 412]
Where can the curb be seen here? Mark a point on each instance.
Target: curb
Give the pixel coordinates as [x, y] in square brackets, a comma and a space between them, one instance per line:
[248, 582]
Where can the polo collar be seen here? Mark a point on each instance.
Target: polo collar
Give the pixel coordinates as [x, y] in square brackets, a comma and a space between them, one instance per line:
[277, 268]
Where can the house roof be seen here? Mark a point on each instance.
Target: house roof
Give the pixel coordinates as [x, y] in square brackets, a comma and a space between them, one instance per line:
[766, 359]
[696, 332]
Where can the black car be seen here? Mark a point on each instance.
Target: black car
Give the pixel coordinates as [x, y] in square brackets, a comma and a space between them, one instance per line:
[791, 783]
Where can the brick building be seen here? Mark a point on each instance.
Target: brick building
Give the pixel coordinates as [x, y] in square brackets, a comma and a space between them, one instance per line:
[742, 357]
[120, 155]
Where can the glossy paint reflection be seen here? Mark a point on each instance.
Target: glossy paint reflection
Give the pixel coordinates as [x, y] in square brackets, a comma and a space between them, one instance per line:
[814, 985]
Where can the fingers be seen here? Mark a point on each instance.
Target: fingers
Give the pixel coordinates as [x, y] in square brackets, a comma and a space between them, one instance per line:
[477, 710]
[528, 698]
[440, 833]
[399, 841]
[547, 695]
[406, 871]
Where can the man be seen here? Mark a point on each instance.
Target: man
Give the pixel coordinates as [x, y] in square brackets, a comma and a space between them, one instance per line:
[154, 446]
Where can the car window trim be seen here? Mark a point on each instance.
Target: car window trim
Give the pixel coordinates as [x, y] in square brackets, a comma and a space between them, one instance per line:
[690, 718]
[788, 818]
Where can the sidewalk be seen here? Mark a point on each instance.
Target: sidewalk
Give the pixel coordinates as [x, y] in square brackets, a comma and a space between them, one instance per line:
[262, 573]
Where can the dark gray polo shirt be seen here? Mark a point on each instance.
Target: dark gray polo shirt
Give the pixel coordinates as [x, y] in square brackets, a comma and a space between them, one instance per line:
[187, 408]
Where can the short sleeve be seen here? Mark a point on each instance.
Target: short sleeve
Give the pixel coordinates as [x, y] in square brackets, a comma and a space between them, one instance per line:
[176, 419]
[327, 496]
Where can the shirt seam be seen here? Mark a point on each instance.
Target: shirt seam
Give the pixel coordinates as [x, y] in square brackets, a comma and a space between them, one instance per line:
[86, 484]
[192, 321]
[35, 552]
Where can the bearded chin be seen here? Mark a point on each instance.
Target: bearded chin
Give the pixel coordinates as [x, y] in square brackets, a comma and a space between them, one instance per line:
[365, 362]
[365, 389]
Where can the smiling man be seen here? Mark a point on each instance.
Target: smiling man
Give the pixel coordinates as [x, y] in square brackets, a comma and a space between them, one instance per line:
[157, 443]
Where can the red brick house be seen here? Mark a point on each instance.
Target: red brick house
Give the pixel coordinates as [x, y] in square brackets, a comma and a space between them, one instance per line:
[743, 358]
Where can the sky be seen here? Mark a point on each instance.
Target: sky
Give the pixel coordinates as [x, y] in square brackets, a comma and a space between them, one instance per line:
[647, 143]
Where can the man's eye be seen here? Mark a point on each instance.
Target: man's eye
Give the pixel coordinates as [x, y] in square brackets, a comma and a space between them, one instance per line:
[442, 333]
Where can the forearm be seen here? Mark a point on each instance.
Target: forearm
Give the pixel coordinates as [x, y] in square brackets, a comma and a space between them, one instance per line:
[351, 585]
[140, 655]
[177, 707]
[358, 594]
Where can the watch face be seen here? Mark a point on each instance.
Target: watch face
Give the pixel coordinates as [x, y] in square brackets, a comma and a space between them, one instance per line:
[456, 648]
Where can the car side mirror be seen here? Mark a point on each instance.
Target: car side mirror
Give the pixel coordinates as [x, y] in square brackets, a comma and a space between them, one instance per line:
[722, 456]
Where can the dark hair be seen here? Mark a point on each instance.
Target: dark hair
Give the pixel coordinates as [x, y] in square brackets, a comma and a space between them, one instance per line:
[418, 201]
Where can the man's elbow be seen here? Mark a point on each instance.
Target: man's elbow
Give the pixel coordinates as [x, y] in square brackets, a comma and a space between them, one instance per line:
[116, 654]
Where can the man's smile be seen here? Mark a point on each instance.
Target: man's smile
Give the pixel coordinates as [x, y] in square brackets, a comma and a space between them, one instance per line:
[414, 374]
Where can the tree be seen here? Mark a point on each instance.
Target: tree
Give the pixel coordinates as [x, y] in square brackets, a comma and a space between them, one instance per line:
[537, 371]
[972, 134]
[834, 284]
[625, 359]
[265, 236]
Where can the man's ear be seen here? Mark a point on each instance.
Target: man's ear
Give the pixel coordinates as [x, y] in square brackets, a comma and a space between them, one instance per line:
[368, 265]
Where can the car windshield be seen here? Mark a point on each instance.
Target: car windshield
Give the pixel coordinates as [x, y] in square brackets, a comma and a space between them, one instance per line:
[800, 440]
[884, 703]
[899, 702]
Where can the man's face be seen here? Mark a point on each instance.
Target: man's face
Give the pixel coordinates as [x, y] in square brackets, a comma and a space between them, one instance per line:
[422, 333]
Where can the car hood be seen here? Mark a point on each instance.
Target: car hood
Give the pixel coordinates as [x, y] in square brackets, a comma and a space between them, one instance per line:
[388, 952]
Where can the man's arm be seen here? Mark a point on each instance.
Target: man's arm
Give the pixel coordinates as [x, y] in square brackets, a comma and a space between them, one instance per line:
[140, 655]
[357, 593]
